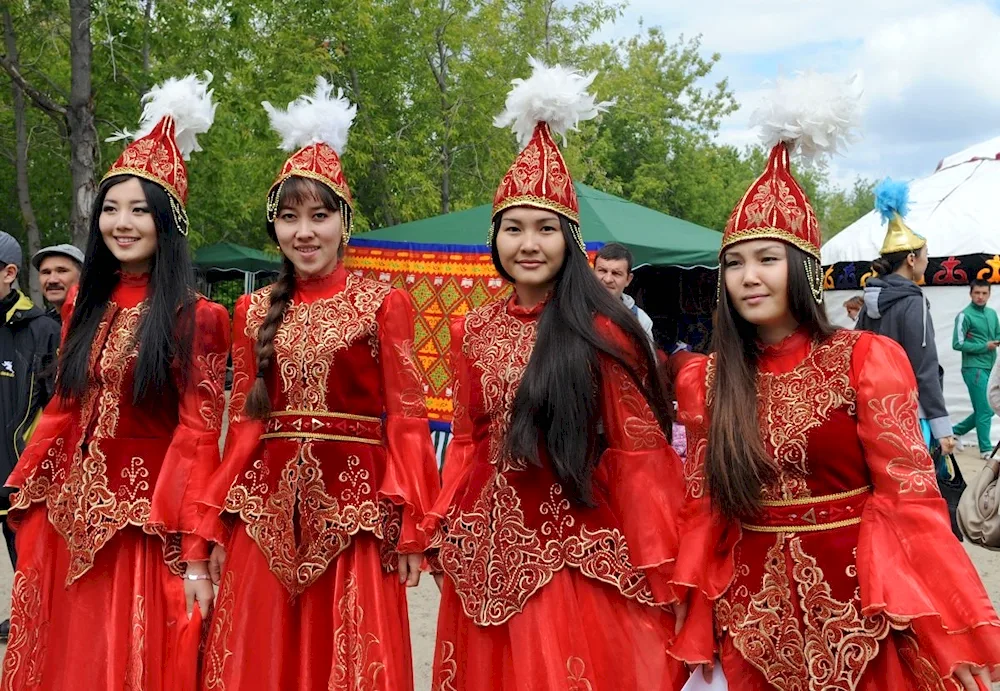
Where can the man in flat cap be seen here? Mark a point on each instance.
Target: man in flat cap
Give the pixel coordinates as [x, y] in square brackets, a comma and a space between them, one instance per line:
[59, 268]
[29, 341]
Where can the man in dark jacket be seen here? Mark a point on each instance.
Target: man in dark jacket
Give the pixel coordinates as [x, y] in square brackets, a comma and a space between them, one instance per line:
[895, 306]
[29, 341]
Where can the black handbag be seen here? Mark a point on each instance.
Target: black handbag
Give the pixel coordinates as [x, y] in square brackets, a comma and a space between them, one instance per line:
[952, 485]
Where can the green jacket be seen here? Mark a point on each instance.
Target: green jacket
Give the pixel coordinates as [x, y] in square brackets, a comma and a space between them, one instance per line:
[975, 327]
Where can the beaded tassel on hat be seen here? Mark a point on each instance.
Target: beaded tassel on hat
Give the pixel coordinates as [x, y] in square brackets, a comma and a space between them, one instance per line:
[552, 101]
[315, 128]
[174, 114]
[810, 116]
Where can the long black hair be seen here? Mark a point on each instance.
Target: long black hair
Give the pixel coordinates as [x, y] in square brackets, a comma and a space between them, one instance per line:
[557, 401]
[737, 465]
[166, 327]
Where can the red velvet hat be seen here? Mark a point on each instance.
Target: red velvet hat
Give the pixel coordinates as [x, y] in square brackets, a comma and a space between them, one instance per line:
[175, 112]
[315, 127]
[553, 100]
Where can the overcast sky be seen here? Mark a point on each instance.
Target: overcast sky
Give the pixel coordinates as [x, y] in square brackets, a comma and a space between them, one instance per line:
[931, 68]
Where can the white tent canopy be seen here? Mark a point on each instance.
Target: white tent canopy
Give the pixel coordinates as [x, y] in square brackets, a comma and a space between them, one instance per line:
[957, 208]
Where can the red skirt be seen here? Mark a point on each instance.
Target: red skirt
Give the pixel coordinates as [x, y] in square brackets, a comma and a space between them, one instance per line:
[122, 626]
[575, 633]
[348, 631]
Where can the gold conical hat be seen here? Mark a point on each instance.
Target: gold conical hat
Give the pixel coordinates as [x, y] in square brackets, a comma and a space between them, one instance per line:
[899, 238]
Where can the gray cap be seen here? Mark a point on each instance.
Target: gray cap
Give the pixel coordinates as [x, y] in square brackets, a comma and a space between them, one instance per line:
[70, 251]
[10, 250]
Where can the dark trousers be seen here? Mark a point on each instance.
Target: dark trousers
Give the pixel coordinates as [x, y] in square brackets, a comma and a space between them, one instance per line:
[8, 534]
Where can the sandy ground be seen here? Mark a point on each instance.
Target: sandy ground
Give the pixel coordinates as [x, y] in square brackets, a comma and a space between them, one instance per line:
[424, 599]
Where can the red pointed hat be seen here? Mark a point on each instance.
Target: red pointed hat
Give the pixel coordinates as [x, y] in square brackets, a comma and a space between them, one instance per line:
[315, 127]
[775, 206]
[174, 114]
[553, 100]
[810, 115]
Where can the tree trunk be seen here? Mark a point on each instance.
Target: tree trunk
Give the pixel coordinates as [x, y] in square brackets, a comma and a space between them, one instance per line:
[80, 117]
[379, 167]
[21, 165]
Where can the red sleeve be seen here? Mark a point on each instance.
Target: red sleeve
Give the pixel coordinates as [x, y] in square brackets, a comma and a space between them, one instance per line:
[705, 566]
[193, 453]
[910, 566]
[646, 486]
[243, 435]
[411, 477]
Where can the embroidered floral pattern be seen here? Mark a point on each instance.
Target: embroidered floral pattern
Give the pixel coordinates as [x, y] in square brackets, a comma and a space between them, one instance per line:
[135, 671]
[499, 346]
[577, 675]
[815, 644]
[300, 505]
[358, 664]
[447, 668]
[498, 563]
[213, 399]
[411, 397]
[791, 405]
[642, 430]
[312, 334]
[86, 512]
[241, 383]
[896, 416]
[25, 657]
[217, 652]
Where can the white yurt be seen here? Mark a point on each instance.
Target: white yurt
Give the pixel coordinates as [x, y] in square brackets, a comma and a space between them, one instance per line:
[957, 208]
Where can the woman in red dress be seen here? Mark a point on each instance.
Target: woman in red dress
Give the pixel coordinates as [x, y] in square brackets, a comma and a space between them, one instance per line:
[816, 549]
[105, 507]
[557, 541]
[328, 466]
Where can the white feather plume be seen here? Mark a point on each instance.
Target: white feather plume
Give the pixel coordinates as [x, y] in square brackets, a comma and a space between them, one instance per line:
[321, 117]
[814, 114]
[188, 101]
[556, 95]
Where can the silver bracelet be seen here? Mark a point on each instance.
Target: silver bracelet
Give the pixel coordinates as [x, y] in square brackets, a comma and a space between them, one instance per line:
[196, 577]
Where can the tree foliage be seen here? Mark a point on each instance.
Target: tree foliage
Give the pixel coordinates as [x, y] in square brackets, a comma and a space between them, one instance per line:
[428, 77]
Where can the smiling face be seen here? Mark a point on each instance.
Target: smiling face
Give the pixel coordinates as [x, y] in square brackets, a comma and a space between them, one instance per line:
[531, 247]
[309, 233]
[127, 226]
[756, 276]
[57, 273]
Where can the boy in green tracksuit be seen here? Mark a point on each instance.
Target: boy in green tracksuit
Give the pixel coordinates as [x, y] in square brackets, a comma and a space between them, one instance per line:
[977, 334]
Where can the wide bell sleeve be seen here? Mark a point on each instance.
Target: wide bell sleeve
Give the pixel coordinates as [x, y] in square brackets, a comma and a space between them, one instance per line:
[705, 565]
[910, 567]
[243, 435]
[193, 454]
[411, 476]
[642, 471]
[56, 431]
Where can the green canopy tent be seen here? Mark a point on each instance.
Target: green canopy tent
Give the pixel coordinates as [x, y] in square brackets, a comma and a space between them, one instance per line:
[227, 261]
[655, 238]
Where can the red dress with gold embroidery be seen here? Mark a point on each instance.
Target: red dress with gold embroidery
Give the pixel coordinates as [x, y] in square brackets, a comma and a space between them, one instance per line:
[106, 511]
[850, 578]
[543, 593]
[318, 500]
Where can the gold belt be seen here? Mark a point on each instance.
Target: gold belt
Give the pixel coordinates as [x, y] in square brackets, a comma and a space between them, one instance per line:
[811, 514]
[323, 426]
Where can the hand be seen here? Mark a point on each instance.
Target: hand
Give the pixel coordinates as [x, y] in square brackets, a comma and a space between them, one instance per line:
[948, 445]
[680, 616]
[992, 345]
[409, 569]
[200, 591]
[969, 675]
[215, 563]
[439, 581]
